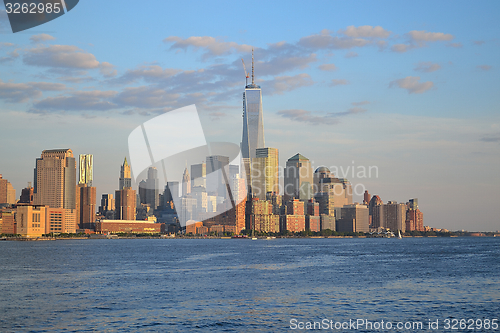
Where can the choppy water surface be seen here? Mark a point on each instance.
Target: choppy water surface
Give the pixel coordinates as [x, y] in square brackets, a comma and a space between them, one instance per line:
[241, 285]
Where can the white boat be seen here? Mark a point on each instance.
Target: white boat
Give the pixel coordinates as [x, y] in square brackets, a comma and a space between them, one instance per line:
[399, 234]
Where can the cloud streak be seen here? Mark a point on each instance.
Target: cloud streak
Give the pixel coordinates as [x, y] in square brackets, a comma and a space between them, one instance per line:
[412, 84]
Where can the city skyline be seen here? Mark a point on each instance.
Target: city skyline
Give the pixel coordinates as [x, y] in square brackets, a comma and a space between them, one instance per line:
[416, 98]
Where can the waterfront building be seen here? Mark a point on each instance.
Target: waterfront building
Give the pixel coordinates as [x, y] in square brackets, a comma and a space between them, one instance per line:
[376, 211]
[8, 221]
[354, 218]
[327, 222]
[85, 206]
[414, 217]
[55, 179]
[395, 216]
[129, 226]
[298, 178]
[31, 220]
[85, 193]
[125, 204]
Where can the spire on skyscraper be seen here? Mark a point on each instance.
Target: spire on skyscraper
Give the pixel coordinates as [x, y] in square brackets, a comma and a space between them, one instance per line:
[253, 76]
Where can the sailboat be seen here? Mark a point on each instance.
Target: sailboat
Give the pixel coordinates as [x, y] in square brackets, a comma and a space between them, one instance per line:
[399, 234]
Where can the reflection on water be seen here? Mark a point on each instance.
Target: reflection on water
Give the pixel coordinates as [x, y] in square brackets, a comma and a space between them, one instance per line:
[240, 285]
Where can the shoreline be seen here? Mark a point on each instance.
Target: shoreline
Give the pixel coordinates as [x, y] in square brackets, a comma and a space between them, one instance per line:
[111, 237]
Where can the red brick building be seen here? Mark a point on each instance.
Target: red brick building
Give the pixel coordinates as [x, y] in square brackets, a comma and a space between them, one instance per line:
[128, 226]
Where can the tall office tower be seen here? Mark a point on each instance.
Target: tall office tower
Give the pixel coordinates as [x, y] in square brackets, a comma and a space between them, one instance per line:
[199, 175]
[325, 181]
[265, 172]
[86, 174]
[354, 219]
[7, 192]
[298, 178]
[171, 191]
[125, 204]
[376, 211]
[107, 208]
[142, 192]
[86, 193]
[86, 206]
[26, 195]
[217, 175]
[253, 122]
[125, 176]
[55, 179]
[395, 216]
[238, 189]
[186, 183]
[414, 217]
[152, 187]
[366, 198]
[313, 220]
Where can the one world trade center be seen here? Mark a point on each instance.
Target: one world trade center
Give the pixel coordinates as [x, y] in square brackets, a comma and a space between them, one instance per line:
[253, 122]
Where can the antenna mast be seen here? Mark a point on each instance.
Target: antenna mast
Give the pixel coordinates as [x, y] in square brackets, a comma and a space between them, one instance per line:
[253, 82]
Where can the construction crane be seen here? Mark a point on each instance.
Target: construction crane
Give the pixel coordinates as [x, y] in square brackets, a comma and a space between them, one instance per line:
[246, 74]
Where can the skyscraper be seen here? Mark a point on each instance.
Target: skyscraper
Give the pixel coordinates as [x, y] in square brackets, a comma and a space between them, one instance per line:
[186, 183]
[253, 122]
[125, 204]
[265, 172]
[86, 174]
[86, 193]
[217, 169]
[152, 188]
[198, 175]
[298, 178]
[55, 179]
[125, 177]
[7, 192]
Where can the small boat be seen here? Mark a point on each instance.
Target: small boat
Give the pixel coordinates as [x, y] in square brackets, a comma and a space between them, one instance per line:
[254, 238]
[399, 234]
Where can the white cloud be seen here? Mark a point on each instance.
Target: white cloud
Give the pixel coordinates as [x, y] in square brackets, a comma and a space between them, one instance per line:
[351, 55]
[107, 69]
[424, 36]
[412, 84]
[213, 46]
[281, 84]
[360, 103]
[484, 67]
[94, 100]
[22, 92]
[328, 67]
[427, 67]
[365, 31]
[41, 38]
[338, 82]
[316, 118]
[60, 56]
[400, 48]
[305, 116]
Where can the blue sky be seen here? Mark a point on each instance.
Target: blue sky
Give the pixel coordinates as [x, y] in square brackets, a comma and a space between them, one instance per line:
[409, 87]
